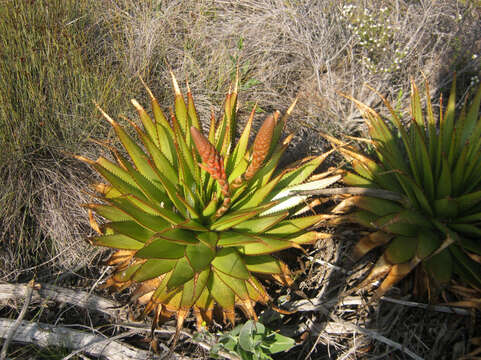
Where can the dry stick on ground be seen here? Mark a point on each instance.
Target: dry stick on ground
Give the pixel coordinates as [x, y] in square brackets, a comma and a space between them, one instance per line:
[172, 330]
[54, 293]
[11, 333]
[315, 304]
[84, 300]
[379, 193]
[45, 335]
[105, 341]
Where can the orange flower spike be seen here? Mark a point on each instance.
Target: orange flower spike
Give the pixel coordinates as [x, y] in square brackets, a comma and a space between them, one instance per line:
[212, 160]
[261, 146]
[213, 163]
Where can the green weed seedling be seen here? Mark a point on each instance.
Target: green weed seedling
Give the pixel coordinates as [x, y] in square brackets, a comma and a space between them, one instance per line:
[252, 341]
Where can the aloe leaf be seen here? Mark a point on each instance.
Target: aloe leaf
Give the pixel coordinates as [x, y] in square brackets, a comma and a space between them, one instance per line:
[444, 187]
[152, 209]
[468, 229]
[293, 226]
[149, 221]
[229, 261]
[370, 242]
[121, 185]
[131, 229]
[151, 191]
[257, 197]
[265, 264]
[153, 268]
[222, 294]
[377, 206]
[428, 242]
[159, 159]
[165, 133]
[287, 200]
[210, 209]
[299, 174]
[180, 107]
[470, 124]
[265, 245]
[392, 148]
[184, 154]
[419, 193]
[161, 249]
[406, 223]
[137, 155]
[118, 241]
[364, 218]
[447, 123]
[237, 285]
[181, 273]
[458, 173]
[222, 128]
[193, 289]
[109, 212]
[424, 162]
[205, 300]
[240, 149]
[473, 165]
[179, 236]
[475, 217]
[199, 256]
[191, 111]
[231, 238]
[401, 249]
[468, 201]
[236, 217]
[446, 208]
[352, 179]
[147, 122]
[440, 266]
[470, 245]
[432, 133]
[260, 224]
[172, 193]
[467, 268]
[116, 170]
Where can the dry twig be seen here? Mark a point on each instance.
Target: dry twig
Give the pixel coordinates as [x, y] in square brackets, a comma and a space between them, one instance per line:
[46, 335]
[13, 329]
[78, 298]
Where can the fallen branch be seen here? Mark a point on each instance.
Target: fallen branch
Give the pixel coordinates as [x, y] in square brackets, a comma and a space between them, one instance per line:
[11, 333]
[316, 304]
[88, 301]
[45, 335]
[171, 330]
[78, 298]
[378, 193]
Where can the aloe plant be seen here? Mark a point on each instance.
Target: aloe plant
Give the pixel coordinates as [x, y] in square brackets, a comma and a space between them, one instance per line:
[194, 218]
[422, 196]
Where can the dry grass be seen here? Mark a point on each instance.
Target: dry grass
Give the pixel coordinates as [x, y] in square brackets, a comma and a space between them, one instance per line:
[77, 51]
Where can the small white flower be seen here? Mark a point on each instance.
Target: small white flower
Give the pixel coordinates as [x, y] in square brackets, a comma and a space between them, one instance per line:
[474, 56]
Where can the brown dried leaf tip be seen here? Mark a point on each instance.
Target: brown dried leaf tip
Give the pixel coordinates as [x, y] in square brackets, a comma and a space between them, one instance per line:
[262, 144]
